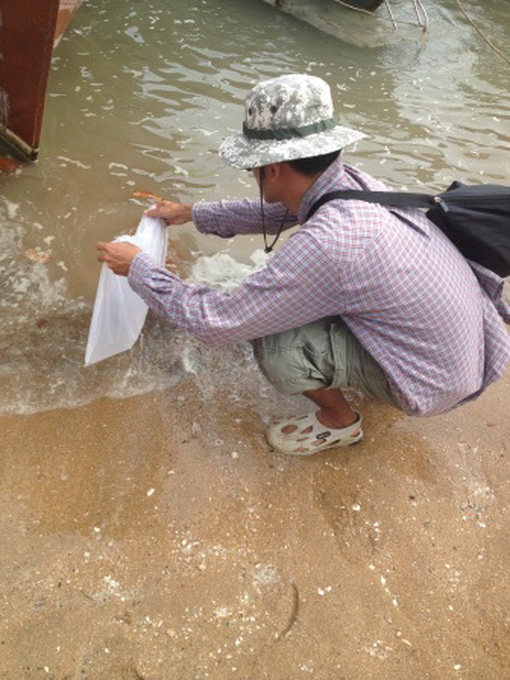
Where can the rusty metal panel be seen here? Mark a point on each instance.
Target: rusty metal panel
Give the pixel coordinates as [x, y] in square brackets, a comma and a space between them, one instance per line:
[66, 11]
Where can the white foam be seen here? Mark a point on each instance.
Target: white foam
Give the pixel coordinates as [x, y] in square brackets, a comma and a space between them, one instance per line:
[222, 271]
[12, 208]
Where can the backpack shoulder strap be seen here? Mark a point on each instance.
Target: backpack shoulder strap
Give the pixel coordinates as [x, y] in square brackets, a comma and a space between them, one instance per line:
[394, 198]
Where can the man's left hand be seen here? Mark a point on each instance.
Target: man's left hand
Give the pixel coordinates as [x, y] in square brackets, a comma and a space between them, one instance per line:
[117, 256]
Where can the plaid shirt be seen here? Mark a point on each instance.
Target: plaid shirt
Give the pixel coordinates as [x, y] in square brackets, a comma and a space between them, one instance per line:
[413, 302]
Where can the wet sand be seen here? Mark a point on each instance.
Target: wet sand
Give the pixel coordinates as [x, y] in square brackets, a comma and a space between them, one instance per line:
[135, 546]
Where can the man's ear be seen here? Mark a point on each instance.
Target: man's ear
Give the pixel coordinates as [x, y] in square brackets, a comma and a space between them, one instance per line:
[275, 170]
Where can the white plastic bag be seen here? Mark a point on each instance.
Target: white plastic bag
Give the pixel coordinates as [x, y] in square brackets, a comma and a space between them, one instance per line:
[119, 313]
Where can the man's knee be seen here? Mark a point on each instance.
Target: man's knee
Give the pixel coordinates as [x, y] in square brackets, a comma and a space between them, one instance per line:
[296, 361]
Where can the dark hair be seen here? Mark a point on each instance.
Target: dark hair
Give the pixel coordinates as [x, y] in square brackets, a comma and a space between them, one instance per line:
[315, 164]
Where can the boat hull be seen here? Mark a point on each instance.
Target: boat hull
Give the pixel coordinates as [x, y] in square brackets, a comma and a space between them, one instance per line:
[366, 5]
[360, 28]
[28, 34]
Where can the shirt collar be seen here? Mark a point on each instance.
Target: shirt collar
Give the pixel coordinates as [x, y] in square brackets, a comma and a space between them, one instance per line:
[334, 176]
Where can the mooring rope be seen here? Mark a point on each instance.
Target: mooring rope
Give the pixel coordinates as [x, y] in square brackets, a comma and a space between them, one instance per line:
[421, 14]
[481, 33]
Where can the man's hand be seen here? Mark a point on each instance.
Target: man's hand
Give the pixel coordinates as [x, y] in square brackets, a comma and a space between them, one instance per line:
[117, 256]
[171, 213]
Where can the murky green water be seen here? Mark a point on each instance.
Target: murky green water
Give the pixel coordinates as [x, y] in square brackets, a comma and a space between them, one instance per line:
[141, 94]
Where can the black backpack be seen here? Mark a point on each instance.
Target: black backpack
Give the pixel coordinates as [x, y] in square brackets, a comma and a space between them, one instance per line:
[475, 218]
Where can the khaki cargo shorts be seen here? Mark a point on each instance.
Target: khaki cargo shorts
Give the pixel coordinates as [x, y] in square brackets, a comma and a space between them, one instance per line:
[323, 353]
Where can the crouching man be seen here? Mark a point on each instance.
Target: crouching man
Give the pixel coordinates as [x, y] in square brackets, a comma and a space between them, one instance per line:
[360, 296]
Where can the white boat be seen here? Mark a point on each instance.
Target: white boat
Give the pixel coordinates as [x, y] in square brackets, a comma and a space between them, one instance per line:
[364, 23]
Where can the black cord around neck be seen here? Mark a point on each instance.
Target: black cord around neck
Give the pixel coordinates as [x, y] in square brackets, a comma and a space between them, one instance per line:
[268, 248]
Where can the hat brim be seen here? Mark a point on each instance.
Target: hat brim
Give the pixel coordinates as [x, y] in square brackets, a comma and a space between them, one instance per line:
[244, 153]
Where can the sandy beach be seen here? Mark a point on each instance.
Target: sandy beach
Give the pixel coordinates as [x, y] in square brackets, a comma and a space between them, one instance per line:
[138, 546]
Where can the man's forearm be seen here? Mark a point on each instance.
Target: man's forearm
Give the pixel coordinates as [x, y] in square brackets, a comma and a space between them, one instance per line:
[228, 218]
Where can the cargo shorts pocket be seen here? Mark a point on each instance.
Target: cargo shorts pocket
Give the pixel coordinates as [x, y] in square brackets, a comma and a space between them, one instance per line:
[356, 368]
[298, 360]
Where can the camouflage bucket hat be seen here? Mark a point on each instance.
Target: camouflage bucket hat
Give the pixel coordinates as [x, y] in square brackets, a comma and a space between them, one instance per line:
[286, 118]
